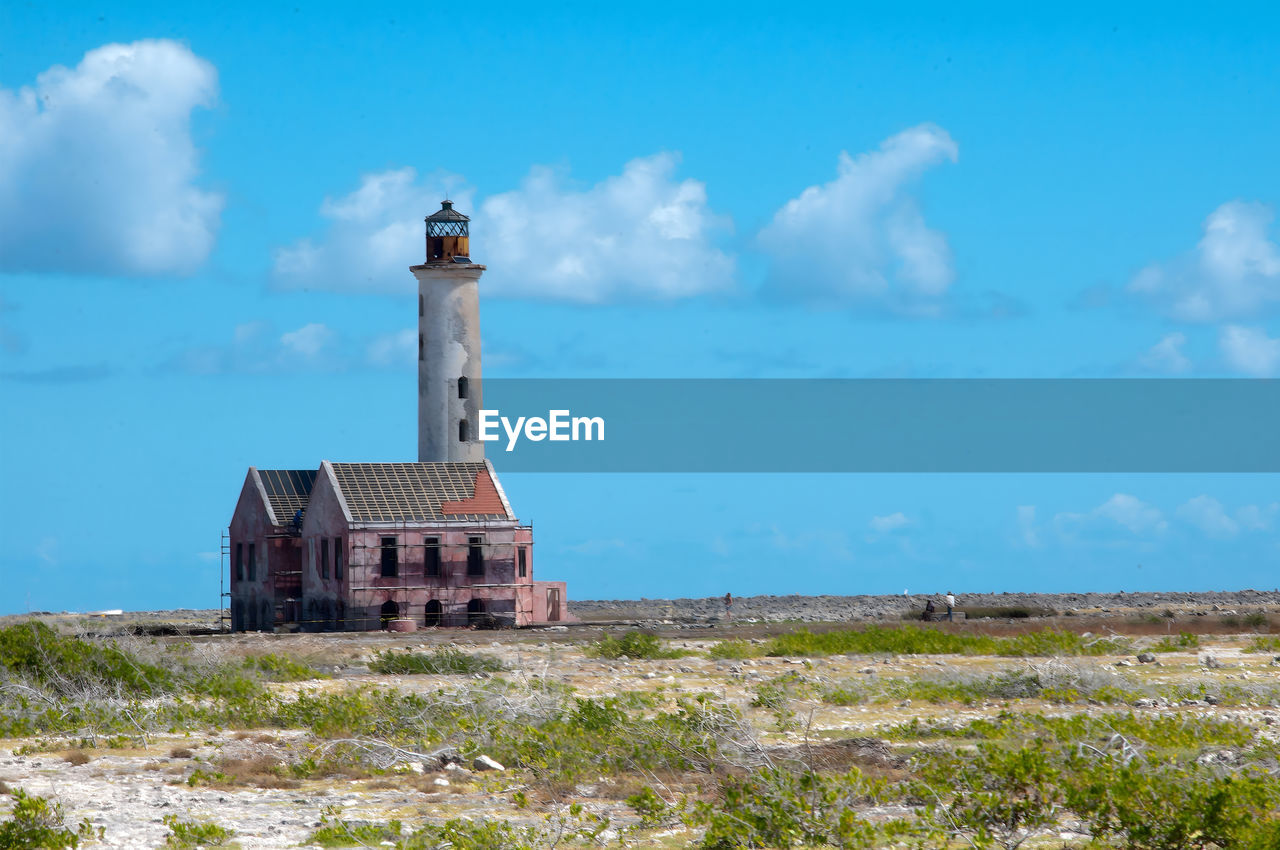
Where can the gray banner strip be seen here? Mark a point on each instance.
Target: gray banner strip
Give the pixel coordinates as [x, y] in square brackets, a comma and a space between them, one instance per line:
[711, 425]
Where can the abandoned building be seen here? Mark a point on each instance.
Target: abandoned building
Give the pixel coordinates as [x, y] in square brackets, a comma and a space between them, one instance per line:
[357, 546]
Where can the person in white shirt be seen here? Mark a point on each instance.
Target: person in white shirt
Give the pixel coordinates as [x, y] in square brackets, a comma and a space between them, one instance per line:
[951, 603]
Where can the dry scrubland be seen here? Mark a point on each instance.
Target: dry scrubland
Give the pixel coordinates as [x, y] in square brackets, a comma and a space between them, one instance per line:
[1042, 732]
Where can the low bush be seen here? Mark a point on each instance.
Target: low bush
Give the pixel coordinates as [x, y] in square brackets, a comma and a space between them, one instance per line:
[187, 834]
[780, 808]
[277, 668]
[38, 824]
[1183, 642]
[633, 644]
[1264, 643]
[1163, 732]
[912, 640]
[67, 666]
[446, 660]
[735, 650]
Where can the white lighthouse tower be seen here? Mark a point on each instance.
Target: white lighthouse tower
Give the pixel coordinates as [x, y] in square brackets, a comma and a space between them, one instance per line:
[449, 388]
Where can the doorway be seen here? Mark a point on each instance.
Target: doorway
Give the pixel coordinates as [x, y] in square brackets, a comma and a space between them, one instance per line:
[434, 614]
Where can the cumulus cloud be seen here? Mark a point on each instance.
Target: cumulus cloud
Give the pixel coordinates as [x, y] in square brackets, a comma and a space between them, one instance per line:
[1027, 531]
[1250, 350]
[1258, 517]
[1207, 514]
[256, 348]
[398, 348]
[1233, 273]
[1166, 355]
[374, 234]
[97, 165]
[886, 524]
[861, 237]
[641, 234]
[1210, 516]
[1121, 511]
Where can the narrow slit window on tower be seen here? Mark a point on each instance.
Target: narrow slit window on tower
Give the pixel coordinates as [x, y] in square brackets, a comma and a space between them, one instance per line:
[464, 431]
[420, 346]
[475, 556]
[239, 562]
[253, 567]
[463, 387]
[420, 313]
[324, 557]
[522, 555]
[390, 558]
[431, 559]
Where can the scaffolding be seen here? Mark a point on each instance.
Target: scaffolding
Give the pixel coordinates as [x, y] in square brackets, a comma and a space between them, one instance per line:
[224, 562]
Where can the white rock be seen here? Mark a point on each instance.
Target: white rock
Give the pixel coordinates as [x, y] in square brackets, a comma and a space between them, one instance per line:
[483, 762]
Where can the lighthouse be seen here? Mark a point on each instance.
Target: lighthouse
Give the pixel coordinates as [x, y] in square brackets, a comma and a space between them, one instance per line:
[449, 381]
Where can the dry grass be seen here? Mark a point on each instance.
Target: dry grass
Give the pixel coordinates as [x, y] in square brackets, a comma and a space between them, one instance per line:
[181, 753]
[76, 757]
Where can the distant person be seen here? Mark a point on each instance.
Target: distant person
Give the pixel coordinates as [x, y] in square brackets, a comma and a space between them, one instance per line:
[951, 605]
[728, 606]
[928, 610]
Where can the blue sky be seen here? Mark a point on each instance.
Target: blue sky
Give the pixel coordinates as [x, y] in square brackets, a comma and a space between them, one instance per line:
[206, 215]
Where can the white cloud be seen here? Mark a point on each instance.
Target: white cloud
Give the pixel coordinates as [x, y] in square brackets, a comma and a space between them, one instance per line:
[1233, 273]
[374, 234]
[1166, 355]
[1258, 517]
[886, 524]
[47, 551]
[1121, 510]
[861, 237]
[1027, 526]
[398, 348]
[1207, 514]
[308, 341]
[1250, 350]
[97, 165]
[640, 234]
[1132, 513]
[255, 348]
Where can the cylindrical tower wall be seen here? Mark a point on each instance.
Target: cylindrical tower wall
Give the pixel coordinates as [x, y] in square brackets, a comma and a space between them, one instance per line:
[449, 378]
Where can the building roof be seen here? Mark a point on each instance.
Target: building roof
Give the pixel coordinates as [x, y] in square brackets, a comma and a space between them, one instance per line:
[288, 491]
[447, 213]
[420, 492]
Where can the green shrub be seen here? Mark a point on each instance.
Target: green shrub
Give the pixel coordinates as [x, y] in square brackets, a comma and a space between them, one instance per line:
[998, 795]
[633, 644]
[37, 824]
[1175, 733]
[780, 808]
[1173, 807]
[913, 640]
[1184, 641]
[277, 668]
[186, 834]
[457, 834]
[67, 665]
[735, 650]
[1264, 643]
[446, 660]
